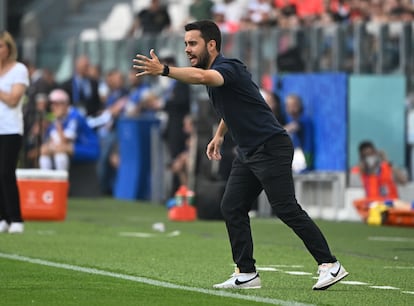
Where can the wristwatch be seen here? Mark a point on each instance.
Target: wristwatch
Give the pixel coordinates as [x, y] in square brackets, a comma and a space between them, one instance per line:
[166, 70]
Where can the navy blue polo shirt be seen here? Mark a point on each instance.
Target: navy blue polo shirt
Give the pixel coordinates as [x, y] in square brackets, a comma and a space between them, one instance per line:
[239, 103]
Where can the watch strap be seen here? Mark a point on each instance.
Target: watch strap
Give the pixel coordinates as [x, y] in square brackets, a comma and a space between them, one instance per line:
[166, 70]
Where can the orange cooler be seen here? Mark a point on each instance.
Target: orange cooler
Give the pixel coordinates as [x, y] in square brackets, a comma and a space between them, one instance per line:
[43, 193]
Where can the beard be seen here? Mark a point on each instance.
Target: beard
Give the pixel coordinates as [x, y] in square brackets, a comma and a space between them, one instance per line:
[203, 60]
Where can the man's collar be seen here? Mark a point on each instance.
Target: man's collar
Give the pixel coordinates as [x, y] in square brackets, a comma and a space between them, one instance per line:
[219, 56]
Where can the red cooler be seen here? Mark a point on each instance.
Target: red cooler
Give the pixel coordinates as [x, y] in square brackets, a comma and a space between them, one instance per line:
[43, 194]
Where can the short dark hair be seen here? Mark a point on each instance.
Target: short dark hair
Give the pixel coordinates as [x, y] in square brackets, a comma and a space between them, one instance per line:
[366, 144]
[209, 31]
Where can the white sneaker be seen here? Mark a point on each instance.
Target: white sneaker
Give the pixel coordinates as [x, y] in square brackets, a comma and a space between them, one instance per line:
[16, 228]
[329, 274]
[241, 281]
[4, 226]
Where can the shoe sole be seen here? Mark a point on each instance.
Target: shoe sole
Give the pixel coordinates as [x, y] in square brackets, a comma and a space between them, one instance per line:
[332, 283]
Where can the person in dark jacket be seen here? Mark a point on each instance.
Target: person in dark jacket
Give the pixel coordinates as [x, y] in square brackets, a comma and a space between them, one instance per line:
[264, 159]
[83, 90]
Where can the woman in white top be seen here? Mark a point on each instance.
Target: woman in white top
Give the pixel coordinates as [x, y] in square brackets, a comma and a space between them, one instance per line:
[14, 79]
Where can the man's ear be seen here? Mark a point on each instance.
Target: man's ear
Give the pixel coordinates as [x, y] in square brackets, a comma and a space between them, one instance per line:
[211, 45]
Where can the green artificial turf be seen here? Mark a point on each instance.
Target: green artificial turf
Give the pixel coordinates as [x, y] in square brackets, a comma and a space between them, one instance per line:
[117, 237]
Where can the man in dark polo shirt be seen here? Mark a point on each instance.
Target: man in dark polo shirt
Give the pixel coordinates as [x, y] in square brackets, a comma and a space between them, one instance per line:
[264, 158]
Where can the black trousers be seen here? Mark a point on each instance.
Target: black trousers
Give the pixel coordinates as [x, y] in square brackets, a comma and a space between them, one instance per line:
[268, 168]
[10, 146]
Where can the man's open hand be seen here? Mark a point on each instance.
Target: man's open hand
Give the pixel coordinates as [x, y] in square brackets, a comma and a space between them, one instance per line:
[146, 65]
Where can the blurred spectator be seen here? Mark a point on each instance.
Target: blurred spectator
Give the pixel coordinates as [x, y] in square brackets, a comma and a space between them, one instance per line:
[286, 7]
[360, 10]
[141, 97]
[68, 137]
[377, 18]
[229, 15]
[307, 11]
[379, 177]
[287, 20]
[46, 82]
[35, 110]
[377, 174]
[400, 12]
[151, 21]
[261, 13]
[201, 9]
[95, 73]
[82, 89]
[106, 123]
[328, 32]
[234, 10]
[353, 11]
[225, 25]
[340, 10]
[273, 100]
[176, 100]
[176, 97]
[289, 57]
[131, 103]
[180, 165]
[34, 72]
[300, 128]
[42, 82]
[377, 12]
[36, 131]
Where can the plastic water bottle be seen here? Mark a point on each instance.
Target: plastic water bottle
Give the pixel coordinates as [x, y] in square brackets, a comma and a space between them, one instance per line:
[190, 197]
[180, 195]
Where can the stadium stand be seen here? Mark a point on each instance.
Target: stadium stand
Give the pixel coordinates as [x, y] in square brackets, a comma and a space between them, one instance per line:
[357, 42]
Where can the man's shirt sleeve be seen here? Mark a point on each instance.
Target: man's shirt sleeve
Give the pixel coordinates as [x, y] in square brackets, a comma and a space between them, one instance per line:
[228, 72]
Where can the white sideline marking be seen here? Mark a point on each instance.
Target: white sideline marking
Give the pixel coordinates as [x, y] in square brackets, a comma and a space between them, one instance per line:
[46, 232]
[399, 267]
[151, 282]
[174, 234]
[266, 269]
[353, 283]
[408, 292]
[385, 287]
[136, 234]
[297, 273]
[148, 235]
[286, 266]
[391, 239]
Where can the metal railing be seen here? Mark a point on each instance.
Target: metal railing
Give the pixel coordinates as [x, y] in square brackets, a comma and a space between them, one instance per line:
[365, 48]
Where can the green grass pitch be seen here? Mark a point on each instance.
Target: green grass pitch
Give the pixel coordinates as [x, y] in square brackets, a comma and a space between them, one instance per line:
[106, 253]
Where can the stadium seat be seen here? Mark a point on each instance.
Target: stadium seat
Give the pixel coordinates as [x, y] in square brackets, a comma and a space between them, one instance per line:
[118, 23]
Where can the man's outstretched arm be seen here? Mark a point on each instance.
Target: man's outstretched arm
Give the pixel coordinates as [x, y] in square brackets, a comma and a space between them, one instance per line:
[189, 75]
